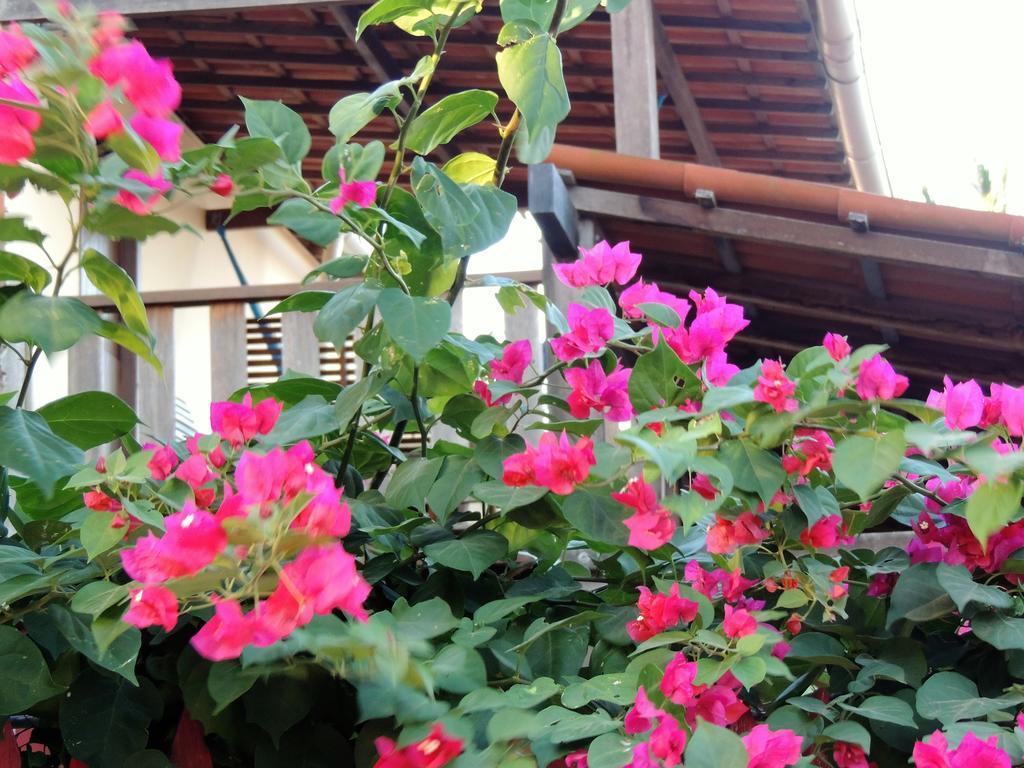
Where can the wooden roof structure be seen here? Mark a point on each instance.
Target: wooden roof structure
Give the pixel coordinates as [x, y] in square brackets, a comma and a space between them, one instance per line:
[752, 70]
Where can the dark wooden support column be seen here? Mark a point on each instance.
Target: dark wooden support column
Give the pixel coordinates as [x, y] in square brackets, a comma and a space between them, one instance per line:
[549, 202]
[635, 80]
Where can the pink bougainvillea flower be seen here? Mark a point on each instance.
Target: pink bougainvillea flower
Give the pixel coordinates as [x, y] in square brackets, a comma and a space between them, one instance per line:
[192, 541]
[152, 606]
[16, 50]
[881, 584]
[876, 380]
[110, 29]
[438, 749]
[658, 612]
[702, 485]
[556, 464]
[589, 331]
[668, 742]
[838, 347]
[136, 204]
[738, 623]
[649, 293]
[677, 682]
[972, 752]
[103, 120]
[226, 635]
[652, 525]
[238, 423]
[576, 759]
[718, 704]
[362, 193]
[1010, 404]
[828, 532]
[811, 449]
[148, 83]
[17, 125]
[729, 584]
[774, 387]
[846, 755]
[194, 471]
[222, 185]
[327, 576]
[98, 501]
[643, 715]
[593, 389]
[716, 324]
[160, 133]
[642, 757]
[772, 749]
[162, 462]
[962, 403]
[725, 535]
[600, 265]
[718, 370]
[514, 360]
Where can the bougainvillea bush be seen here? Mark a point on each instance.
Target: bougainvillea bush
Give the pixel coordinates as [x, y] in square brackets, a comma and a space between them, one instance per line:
[618, 549]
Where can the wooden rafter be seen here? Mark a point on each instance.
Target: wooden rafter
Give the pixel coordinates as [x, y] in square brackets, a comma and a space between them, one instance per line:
[29, 9]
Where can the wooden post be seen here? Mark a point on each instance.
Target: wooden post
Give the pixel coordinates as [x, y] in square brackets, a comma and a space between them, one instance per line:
[300, 348]
[635, 80]
[228, 363]
[155, 393]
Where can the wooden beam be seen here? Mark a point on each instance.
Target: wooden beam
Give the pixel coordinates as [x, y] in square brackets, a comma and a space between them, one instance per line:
[678, 87]
[635, 80]
[746, 225]
[548, 201]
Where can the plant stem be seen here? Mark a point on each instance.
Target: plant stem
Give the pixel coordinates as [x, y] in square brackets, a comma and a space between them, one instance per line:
[28, 376]
[415, 399]
[919, 489]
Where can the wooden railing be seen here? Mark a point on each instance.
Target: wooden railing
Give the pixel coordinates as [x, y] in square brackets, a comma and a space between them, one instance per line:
[244, 349]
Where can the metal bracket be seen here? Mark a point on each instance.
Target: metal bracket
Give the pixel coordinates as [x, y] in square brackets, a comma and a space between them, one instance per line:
[706, 198]
[859, 222]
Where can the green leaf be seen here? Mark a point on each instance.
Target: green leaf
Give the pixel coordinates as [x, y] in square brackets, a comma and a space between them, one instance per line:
[345, 266]
[714, 747]
[471, 168]
[118, 223]
[343, 313]
[863, 463]
[273, 120]
[304, 301]
[54, 324]
[96, 597]
[999, 631]
[453, 485]
[469, 218]
[22, 270]
[416, 324]
[849, 731]
[475, 552]
[412, 483]
[991, 506]
[251, 153]
[89, 419]
[506, 497]
[444, 120]
[556, 653]
[115, 283]
[131, 341]
[227, 682]
[385, 11]
[311, 417]
[99, 535]
[26, 678]
[950, 697]
[353, 113]
[884, 709]
[597, 516]
[353, 397]
[361, 162]
[815, 503]
[119, 656]
[307, 221]
[819, 648]
[104, 720]
[753, 469]
[425, 620]
[964, 590]
[540, 12]
[29, 446]
[918, 596]
[610, 750]
[458, 669]
[531, 74]
[618, 688]
[653, 381]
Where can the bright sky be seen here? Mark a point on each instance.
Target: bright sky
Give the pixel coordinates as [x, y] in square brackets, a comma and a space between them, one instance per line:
[945, 81]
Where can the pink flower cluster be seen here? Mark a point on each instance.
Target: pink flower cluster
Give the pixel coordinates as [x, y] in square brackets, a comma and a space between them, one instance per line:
[511, 366]
[772, 749]
[876, 380]
[600, 265]
[953, 543]
[964, 405]
[774, 387]
[665, 743]
[716, 324]
[362, 193]
[719, 703]
[726, 535]
[659, 612]
[826, 533]
[729, 585]
[275, 492]
[651, 525]
[595, 390]
[436, 750]
[649, 293]
[589, 331]
[811, 449]
[556, 464]
[972, 752]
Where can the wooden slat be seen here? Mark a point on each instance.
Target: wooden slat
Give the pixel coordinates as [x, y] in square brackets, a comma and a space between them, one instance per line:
[300, 349]
[29, 9]
[155, 393]
[635, 80]
[228, 365]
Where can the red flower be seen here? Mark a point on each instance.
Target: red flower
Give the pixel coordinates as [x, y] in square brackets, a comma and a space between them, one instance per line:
[152, 606]
[223, 185]
[436, 750]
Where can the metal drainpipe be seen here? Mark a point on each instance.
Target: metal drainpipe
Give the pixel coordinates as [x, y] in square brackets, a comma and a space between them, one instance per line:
[839, 41]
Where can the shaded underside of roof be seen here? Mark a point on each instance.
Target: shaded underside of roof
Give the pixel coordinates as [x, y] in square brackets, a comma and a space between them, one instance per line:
[753, 66]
